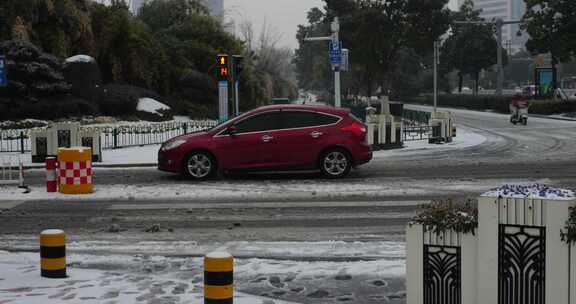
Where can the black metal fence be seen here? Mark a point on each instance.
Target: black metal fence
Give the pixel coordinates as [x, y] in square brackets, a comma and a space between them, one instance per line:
[14, 141]
[415, 125]
[114, 137]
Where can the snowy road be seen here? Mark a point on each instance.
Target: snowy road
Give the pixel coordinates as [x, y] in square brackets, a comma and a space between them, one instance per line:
[298, 211]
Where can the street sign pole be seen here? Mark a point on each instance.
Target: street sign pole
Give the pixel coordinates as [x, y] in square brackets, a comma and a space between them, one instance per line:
[336, 41]
[335, 57]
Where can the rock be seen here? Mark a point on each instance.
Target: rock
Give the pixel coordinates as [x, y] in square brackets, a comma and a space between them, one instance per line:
[154, 228]
[114, 228]
[237, 224]
[319, 294]
[379, 283]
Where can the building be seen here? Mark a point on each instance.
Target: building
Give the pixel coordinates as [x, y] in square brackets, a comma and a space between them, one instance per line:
[506, 10]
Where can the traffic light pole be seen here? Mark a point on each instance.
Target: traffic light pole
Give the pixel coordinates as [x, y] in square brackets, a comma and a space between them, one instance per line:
[435, 75]
[498, 23]
[223, 75]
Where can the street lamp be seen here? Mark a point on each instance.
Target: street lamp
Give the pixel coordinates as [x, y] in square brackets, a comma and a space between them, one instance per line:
[498, 23]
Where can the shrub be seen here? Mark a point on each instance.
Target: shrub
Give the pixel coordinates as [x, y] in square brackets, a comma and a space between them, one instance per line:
[495, 103]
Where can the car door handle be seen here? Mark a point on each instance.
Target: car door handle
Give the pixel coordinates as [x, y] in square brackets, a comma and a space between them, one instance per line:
[316, 134]
[267, 138]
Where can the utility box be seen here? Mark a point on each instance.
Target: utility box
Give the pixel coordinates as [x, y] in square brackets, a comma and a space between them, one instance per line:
[46, 141]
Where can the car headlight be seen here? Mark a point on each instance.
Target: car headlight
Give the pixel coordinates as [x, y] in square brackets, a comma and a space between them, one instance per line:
[173, 144]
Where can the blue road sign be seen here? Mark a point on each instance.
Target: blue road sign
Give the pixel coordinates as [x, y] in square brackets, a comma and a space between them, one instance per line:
[3, 78]
[335, 53]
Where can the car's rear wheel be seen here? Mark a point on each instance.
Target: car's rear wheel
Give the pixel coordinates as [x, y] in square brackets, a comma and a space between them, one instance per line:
[199, 165]
[335, 163]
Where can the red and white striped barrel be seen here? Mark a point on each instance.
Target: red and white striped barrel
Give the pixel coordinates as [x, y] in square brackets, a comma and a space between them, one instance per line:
[51, 182]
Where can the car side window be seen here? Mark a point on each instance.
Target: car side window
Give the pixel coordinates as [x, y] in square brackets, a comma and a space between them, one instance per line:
[303, 119]
[258, 123]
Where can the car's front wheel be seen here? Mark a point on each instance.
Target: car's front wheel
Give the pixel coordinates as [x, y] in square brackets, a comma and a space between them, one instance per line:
[199, 165]
[335, 163]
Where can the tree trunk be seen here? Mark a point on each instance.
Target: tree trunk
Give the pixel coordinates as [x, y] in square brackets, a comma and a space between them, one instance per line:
[460, 81]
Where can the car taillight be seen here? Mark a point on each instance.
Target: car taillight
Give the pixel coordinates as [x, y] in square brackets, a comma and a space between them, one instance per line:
[357, 129]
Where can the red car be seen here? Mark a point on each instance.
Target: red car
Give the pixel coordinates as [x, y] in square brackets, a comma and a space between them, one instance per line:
[279, 137]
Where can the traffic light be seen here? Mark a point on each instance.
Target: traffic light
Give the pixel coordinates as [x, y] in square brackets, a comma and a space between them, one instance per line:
[237, 66]
[223, 70]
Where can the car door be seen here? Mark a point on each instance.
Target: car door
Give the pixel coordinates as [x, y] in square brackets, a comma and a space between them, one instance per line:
[303, 136]
[244, 148]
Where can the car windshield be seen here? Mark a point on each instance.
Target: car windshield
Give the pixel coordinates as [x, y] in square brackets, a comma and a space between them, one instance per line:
[220, 124]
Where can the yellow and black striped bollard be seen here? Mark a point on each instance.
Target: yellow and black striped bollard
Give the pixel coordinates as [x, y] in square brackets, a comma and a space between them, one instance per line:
[53, 254]
[218, 278]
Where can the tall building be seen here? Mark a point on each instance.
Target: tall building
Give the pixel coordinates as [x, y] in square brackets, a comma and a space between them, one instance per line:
[506, 10]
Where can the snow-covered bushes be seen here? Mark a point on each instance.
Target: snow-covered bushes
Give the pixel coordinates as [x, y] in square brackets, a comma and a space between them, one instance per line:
[444, 215]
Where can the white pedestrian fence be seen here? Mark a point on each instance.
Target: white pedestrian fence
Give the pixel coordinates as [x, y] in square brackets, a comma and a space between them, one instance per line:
[11, 170]
[517, 254]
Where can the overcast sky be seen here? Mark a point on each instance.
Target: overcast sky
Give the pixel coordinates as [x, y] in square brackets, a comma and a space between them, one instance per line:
[283, 15]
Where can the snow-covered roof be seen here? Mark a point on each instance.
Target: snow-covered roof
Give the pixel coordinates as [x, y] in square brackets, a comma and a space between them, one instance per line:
[80, 58]
[151, 106]
[535, 191]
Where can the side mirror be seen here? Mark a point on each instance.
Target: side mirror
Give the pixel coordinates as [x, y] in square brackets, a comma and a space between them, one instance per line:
[232, 129]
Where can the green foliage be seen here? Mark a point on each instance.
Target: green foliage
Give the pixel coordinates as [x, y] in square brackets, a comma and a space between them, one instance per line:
[551, 25]
[471, 47]
[379, 34]
[169, 43]
[443, 215]
[495, 103]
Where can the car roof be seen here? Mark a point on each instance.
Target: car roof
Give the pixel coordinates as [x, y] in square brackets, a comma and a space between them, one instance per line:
[327, 109]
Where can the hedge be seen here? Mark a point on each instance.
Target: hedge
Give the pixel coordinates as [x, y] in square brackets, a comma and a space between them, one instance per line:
[495, 103]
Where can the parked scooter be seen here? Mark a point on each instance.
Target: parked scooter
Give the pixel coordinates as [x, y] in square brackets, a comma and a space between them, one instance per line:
[519, 110]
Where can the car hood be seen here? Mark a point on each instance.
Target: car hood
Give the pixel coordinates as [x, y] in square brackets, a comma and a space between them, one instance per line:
[196, 135]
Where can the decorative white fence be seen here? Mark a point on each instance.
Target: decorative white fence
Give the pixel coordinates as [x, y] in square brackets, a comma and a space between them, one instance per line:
[113, 137]
[517, 255]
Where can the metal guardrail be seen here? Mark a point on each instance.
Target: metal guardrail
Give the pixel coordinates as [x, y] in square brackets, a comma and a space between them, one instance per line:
[114, 137]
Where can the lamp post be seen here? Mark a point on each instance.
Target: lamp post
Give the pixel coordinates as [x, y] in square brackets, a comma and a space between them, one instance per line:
[497, 24]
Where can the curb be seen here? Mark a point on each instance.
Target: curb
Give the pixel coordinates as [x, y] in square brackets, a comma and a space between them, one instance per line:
[553, 118]
[143, 165]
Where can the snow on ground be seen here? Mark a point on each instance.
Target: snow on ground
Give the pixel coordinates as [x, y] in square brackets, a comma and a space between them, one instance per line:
[20, 282]
[465, 138]
[80, 58]
[151, 106]
[534, 191]
[149, 154]
[266, 189]
[127, 278]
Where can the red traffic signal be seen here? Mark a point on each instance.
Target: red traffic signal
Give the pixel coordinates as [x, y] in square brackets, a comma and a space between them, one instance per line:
[223, 70]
